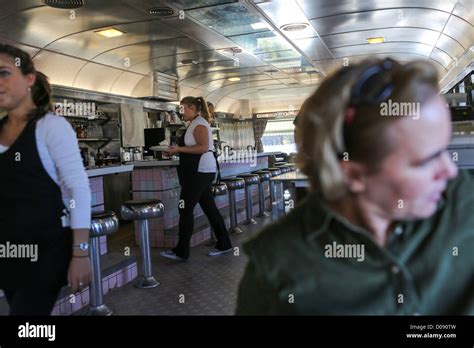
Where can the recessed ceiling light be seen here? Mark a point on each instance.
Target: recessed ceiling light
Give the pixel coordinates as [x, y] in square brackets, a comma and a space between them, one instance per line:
[234, 79]
[65, 4]
[294, 27]
[112, 32]
[161, 11]
[375, 40]
[471, 48]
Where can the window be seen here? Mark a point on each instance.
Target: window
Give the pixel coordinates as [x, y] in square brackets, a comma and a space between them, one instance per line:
[279, 136]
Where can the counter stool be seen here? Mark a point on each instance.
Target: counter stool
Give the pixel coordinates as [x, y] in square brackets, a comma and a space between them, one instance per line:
[140, 211]
[232, 185]
[264, 175]
[274, 172]
[217, 190]
[102, 224]
[250, 179]
[289, 167]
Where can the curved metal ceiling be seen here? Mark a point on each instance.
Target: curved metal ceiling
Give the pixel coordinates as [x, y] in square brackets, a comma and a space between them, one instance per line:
[273, 64]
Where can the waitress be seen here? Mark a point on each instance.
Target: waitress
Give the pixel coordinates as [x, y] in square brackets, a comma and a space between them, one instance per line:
[39, 158]
[196, 171]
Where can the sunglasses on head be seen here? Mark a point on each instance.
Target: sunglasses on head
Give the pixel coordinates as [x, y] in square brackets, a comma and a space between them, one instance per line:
[374, 84]
[373, 87]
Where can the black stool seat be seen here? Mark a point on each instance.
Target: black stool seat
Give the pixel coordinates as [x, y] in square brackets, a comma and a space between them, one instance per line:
[250, 179]
[103, 223]
[219, 189]
[142, 209]
[264, 175]
[274, 171]
[284, 169]
[234, 183]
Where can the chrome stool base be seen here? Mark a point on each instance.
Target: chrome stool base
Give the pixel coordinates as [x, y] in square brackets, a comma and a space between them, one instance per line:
[263, 214]
[236, 230]
[250, 222]
[99, 311]
[146, 282]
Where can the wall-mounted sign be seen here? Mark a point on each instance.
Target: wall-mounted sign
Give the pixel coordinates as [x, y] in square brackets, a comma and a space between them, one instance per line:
[277, 114]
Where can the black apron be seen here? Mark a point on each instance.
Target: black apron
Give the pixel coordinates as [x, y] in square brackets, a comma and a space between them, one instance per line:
[189, 164]
[31, 209]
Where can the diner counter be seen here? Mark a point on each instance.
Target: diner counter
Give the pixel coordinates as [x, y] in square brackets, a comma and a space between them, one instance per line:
[107, 170]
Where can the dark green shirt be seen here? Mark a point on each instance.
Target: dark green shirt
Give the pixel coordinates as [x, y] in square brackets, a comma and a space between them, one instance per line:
[426, 267]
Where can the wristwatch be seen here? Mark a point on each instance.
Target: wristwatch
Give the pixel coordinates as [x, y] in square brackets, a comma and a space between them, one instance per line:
[82, 246]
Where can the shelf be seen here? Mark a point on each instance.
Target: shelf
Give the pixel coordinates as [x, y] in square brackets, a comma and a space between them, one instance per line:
[93, 139]
[103, 118]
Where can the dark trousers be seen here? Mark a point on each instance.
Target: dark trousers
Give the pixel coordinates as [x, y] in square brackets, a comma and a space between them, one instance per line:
[198, 189]
[32, 301]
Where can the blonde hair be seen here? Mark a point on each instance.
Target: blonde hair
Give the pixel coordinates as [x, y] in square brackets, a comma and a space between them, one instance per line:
[369, 141]
[200, 104]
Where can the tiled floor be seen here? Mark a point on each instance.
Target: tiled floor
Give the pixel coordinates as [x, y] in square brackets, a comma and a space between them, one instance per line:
[201, 286]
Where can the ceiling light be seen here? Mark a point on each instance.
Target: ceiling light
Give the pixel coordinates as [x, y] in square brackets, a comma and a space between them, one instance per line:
[161, 11]
[375, 40]
[471, 48]
[65, 4]
[110, 32]
[234, 79]
[292, 27]
[258, 25]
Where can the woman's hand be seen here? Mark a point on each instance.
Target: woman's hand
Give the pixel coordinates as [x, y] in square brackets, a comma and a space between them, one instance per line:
[173, 150]
[79, 274]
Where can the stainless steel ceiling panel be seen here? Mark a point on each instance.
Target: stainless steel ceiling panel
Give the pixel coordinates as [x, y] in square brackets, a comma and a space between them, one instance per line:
[29, 49]
[323, 8]
[96, 77]
[221, 83]
[11, 7]
[465, 10]
[60, 69]
[314, 48]
[441, 57]
[460, 30]
[172, 64]
[148, 51]
[43, 25]
[418, 18]
[125, 83]
[426, 36]
[384, 48]
[144, 88]
[206, 77]
[450, 46]
[89, 44]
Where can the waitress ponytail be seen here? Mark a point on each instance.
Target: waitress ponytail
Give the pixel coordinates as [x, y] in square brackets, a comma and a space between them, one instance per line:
[41, 94]
[204, 109]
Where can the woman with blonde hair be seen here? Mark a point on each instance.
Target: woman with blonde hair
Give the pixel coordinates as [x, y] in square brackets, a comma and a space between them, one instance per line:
[387, 228]
[196, 171]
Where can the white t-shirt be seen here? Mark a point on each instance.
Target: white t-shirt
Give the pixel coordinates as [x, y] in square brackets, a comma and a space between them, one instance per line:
[207, 163]
[59, 153]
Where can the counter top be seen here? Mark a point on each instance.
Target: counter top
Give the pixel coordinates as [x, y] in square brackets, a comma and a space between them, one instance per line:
[100, 171]
[300, 179]
[170, 163]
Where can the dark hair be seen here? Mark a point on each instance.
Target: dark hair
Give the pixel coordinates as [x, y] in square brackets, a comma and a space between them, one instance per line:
[200, 104]
[41, 90]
